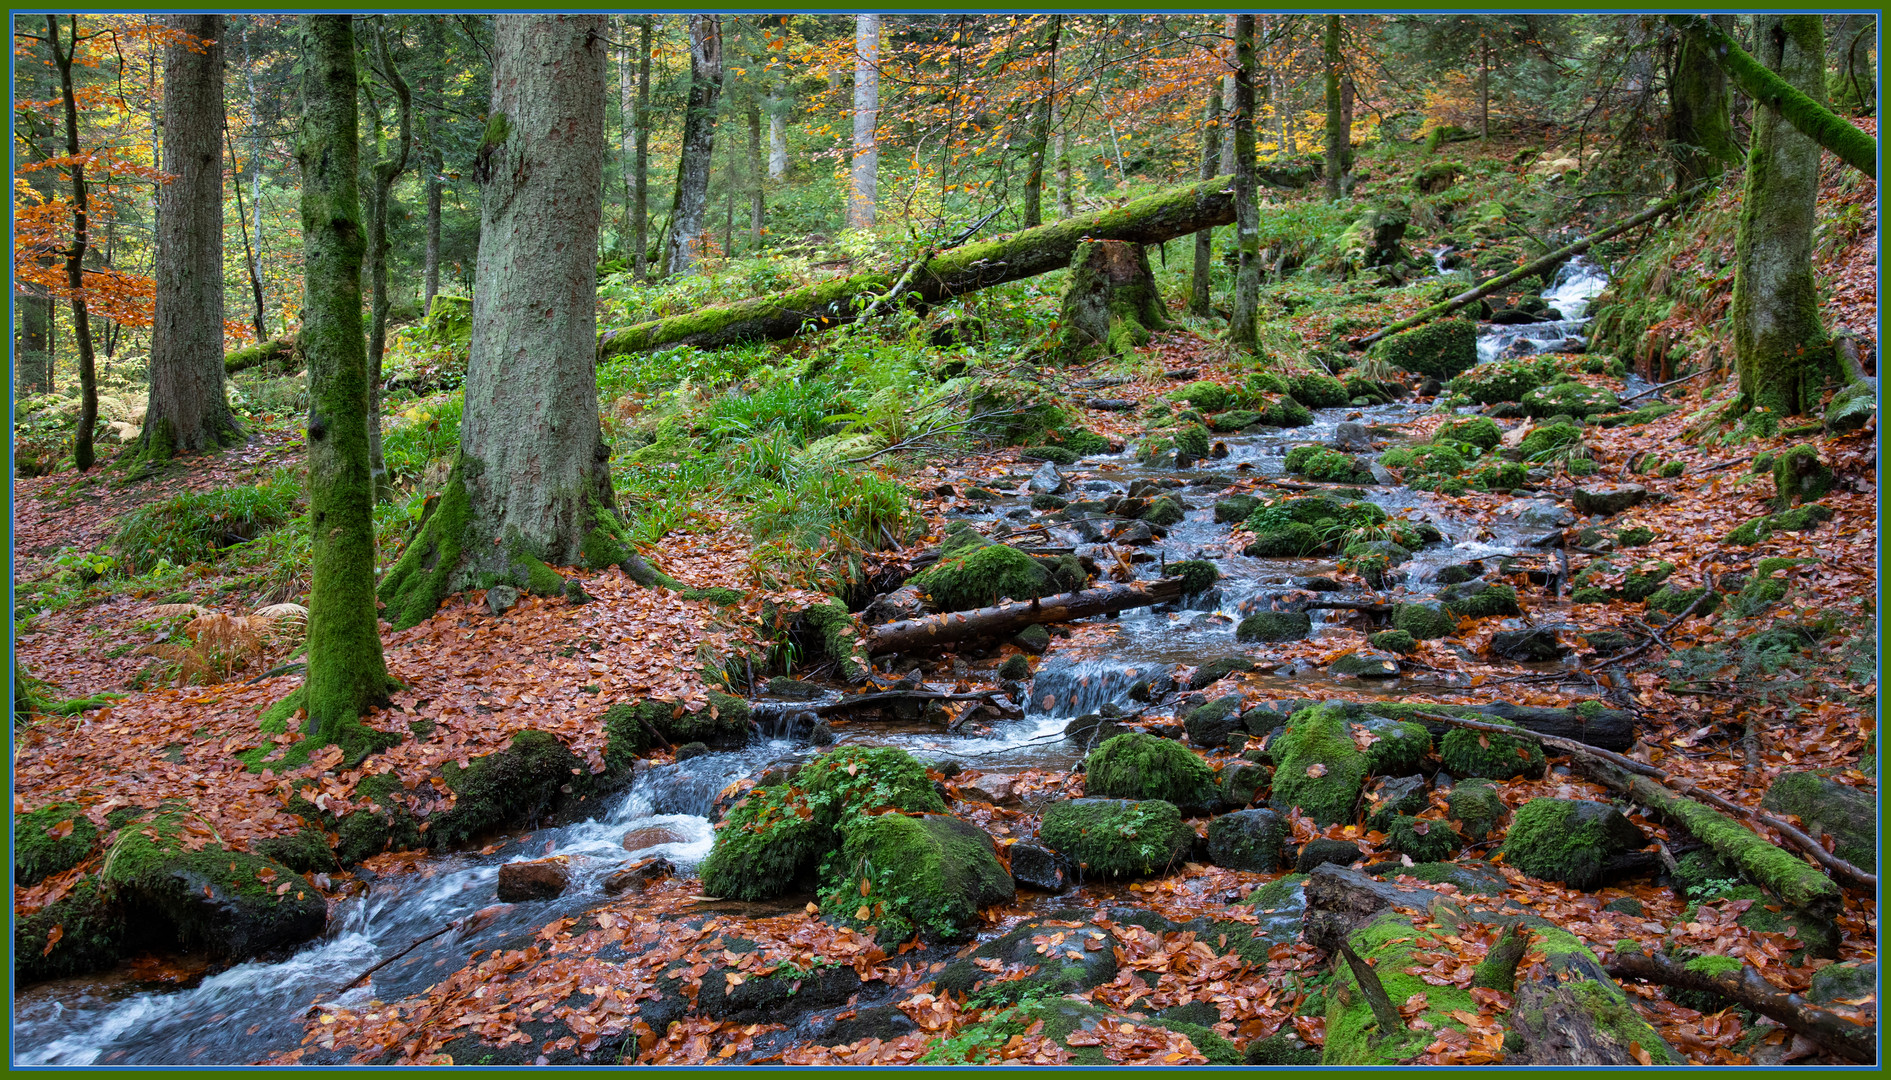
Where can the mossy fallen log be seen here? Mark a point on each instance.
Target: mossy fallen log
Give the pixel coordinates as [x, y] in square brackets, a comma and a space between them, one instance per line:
[1740, 982]
[1149, 220]
[1003, 620]
[279, 352]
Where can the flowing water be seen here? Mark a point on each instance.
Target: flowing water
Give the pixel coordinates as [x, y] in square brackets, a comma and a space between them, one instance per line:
[1569, 294]
[253, 1010]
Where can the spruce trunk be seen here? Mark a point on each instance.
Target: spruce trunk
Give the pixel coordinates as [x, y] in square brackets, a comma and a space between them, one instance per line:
[640, 163]
[1779, 342]
[908, 635]
[1335, 134]
[347, 673]
[699, 143]
[1698, 124]
[386, 171]
[532, 483]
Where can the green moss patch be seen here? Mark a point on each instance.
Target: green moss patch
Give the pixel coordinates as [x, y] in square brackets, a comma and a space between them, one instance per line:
[50, 840]
[1117, 838]
[1140, 767]
[1438, 349]
[926, 875]
[1318, 769]
[512, 787]
[1569, 840]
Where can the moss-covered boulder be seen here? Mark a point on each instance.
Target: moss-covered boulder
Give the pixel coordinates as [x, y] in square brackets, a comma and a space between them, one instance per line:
[1478, 807]
[83, 931]
[228, 903]
[1825, 806]
[927, 875]
[1392, 747]
[1478, 431]
[1318, 768]
[534, 774]
[1316, 390]
[1570, 399]
[1546, 439]
[1488, 754]
[1330, 466]
[50, 840]
[1569, 840]
[1479, 600]
[1851, 408]
[1285, 412]
[1198, 575]
[1233, 420]
[1210, 725]
[1504, 380]
[1274, 626]
[1047, 973]
[1204, 395]
[1165, 510]
[1117, 838]
[980, 574]
[1235, 508]
[1438, 349]
[1424, 839]
[1398, 641]
[1252, 840]
[1142, 767]
[1799, 476]
[1424, 620]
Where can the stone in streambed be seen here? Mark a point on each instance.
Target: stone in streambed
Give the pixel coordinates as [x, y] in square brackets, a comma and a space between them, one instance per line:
[1139, 766]
[1531, 644]
[1117, 838]
[1038, 867]
[1249, 840]
[1365, 664]
[929, 875]
[1569, 840]
[1274, 626]
[1607, 500]
[1322, 851]
[1047, 480]
[1211, 724]
[538, 879]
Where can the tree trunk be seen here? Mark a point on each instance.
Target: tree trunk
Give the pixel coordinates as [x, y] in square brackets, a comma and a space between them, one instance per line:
[756, 206]
[1854, 83]
[1779, 343]
[1227, 100]
[1347, 96]
[532, 483]
[433, 92]
[75, 255]
[1849, 1039]
[1247, 282]
[347, 673]
[1698, 125]
[1066, 206]
[909, 635]
[699, 142]
[252, 233]
[1150, 220]
[1041, 136]
[1335, 135]
[33, 340]
[863, 192]
[640, 166]
[1483, 87]
[252, 264]
[1798, 98]
[1198, 298]
[386, 171]
[1110, 300]
[777, 140]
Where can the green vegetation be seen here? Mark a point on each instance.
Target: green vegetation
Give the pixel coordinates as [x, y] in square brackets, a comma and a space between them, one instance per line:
[1142, 767]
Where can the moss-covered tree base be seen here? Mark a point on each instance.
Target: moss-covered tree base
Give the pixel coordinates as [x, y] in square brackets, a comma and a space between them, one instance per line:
[1110, 301]
[343, 728]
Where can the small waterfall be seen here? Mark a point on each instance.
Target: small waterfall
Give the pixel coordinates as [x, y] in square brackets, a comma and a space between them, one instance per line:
[1570, 293]
[1073, 688]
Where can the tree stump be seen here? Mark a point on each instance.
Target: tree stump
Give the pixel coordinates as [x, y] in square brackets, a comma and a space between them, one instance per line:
[1111, 300]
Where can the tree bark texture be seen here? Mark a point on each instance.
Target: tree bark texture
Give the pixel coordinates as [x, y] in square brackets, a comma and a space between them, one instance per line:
[1335, 136]
[33, 332]
[1843, 1036]
[1227, 99]
[1853, 84]
[1041, 134]
[1150, 220]
[756, 206]
[187, 412]
[640, 163]
[1779, 343]
[433, 90]
[777, 140]
[699, 142]
[532, 483]
[347, 672]
[863, 191]
[1798, 98]
[386, 171]
[1247, 282]
[1698, 124]
[82, 455]
[909, 635]
[1198, 293]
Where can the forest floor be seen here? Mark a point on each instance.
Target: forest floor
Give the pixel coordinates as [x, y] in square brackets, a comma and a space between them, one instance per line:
[585, 984]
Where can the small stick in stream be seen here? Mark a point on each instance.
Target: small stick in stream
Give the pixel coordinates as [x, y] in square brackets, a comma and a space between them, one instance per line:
[470, 924]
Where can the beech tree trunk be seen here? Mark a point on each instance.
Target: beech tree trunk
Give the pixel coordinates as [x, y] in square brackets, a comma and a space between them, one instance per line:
[1698, 123]
[1227, 99]
[908, 635]
[82, 455]
[1066, 205]
[187, 413]
[1041, 135]
[1149, 220]
[1779, 342]
[1335, 136]
[33, 333]
[1247, 282]
[531, 486]
[386, 170]
[1198, 297]
[347, 673]
[864, 191]
[433, 41]
[699, 142]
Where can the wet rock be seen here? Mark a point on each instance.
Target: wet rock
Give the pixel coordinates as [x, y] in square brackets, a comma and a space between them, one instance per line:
[1319, 584]
[1574, 841]
[1628, 905]
[1609, 642]
[1274, 626]
[1235, 508]
[1479, 600]
[649, 837]
[1458, 573]
[1422, 839]
[1827, 807]
[882, 1022]
[1152, 688]
[1142, 766]
[794, 689]
[1352, 437]
[691, 750]
[1478, 807]
[1532, 644]
[1216, 670]
[1852, 407]
[821, 734]
[1091, 729]
[1395, 795]
[1365, 664]
[994, 788]
[1250, 840]
[539, 879]
[1837, 983]
[1047, 480]
[1032, 639]
[1084, 957]
[933, 873]
[1137, 532]
[1607, 500]
[1210, 725]
[1241, 781]
[1424, 620]
[1037, 867]
[1322, 851]
[1536, 513]
[501, 599]
[638, 875]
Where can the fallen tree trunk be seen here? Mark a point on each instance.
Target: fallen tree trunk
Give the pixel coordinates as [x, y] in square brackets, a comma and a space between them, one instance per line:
[1149, 220]
[1815, 121]
[1534, 268]
[1786, 877]
[279, 352]
[1842, 1036]
[1005, 619]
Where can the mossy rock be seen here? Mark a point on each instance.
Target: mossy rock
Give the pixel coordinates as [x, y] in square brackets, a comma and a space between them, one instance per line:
[633, 728]
[1057, 455]
[1546, 439]
[1424, 839]
[1424, 620]
[1489, 755]
[1193, 440]
[1283, 1047]
[1398, 641]
[93, 935]
[1799, 476]
[1285, 412]
[1478, 807]
[764, 844]
[1397, 746]
[1143, 767]
[1318, 391]
[1569, 840]
[1319, 769]
[1211, 724]
[1439, 349]
[1480, 600]
[305, 851]
[1117, 838]
[1826, 806]
[1049, 975]
[1251, 840]
[1478, 431]
[1016, 668]
[228, 903]
[1674, 601]
[1475, 877]
[1504, 380]
[1288, 541]
[929, 875]
[1164, 511]
[513, 787]
[1330, 466]
[977, 575]
[1204, 395]
[1235, 508]
[1198, 575]
[1387, 943]
[1570, 399]
[1233, 420]
[50, 840]
[1046, 501]
[1274, 626]
[1500, 476]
